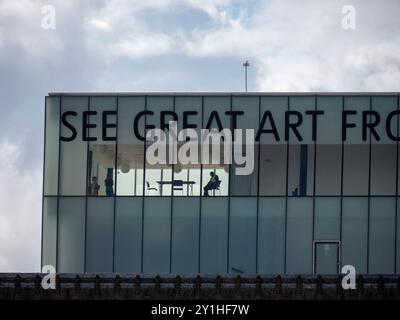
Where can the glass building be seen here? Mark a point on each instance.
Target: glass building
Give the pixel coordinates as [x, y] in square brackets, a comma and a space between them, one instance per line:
[324, 191]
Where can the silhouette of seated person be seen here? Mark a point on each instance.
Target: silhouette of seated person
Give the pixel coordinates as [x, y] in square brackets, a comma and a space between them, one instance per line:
[212, 184]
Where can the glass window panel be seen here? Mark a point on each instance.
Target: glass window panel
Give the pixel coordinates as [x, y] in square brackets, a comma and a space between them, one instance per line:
[182, 187]
[220, 105]
[384, 152]
[329, 125]
[128, 234]
[185, 235]
[384, 105]
[329, 146]
[302, 104]
[328, 169]
[358, 104]
[299, 236]
[356, 151]
[166, 176]
[195, 176]
[398, 237]
[128, 109]
[157, 104]
[398, 169]
[273, 158]
[354, 233]
[326, 258]
[301, 153]
[327, 218]
[71, 235]
[190, 173]
[214, 235]
[101, 157]
[126, 181]
[250, 107]
[49, 232]
[139, 187]
[159, 177]
[130, 149]
[277, 106]
[383, 169]
[273, 169]
[382, 235]
[271, 235]
[355, 169]
[223, 174]
[73, 154]
[294, 170]
[185, 107]
[245, 185]
[301, 170]
[99, 238]
[187, 180]
[156, 235]
[158, 180]
[310, 169]
[242, 235]
[52, 145]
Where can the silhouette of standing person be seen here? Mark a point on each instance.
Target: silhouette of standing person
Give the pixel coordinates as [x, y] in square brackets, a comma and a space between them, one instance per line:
[109, 182]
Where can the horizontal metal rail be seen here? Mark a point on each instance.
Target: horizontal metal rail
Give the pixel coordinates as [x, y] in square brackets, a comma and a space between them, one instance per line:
[134, 286]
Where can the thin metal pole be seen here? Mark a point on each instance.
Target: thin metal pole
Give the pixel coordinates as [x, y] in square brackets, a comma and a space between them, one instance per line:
[245, 65]
[245, 71]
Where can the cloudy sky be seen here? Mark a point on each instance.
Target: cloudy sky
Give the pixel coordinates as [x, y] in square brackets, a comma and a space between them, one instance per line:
[168, 45]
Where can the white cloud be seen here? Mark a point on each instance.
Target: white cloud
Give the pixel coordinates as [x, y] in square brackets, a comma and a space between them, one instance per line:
[144, 46]
[20, 211]
[301, 46]
[20, 22]
[99, 24]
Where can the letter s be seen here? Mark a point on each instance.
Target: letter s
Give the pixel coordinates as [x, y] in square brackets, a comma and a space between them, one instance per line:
[68, 125]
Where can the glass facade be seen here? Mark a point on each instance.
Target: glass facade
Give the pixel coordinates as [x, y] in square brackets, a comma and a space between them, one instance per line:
[323, 191]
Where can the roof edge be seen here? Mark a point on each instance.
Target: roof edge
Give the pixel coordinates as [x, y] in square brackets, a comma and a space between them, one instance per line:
[217, 93]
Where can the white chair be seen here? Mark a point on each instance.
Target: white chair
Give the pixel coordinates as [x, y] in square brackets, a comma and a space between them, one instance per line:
[149, 188]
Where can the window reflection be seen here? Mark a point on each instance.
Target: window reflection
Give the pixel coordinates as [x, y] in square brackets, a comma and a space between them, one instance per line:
[273, 169]
[130, 170]
[355, 169]
[301, 170]
[245, 184]
[328, 169]
[101, 178]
